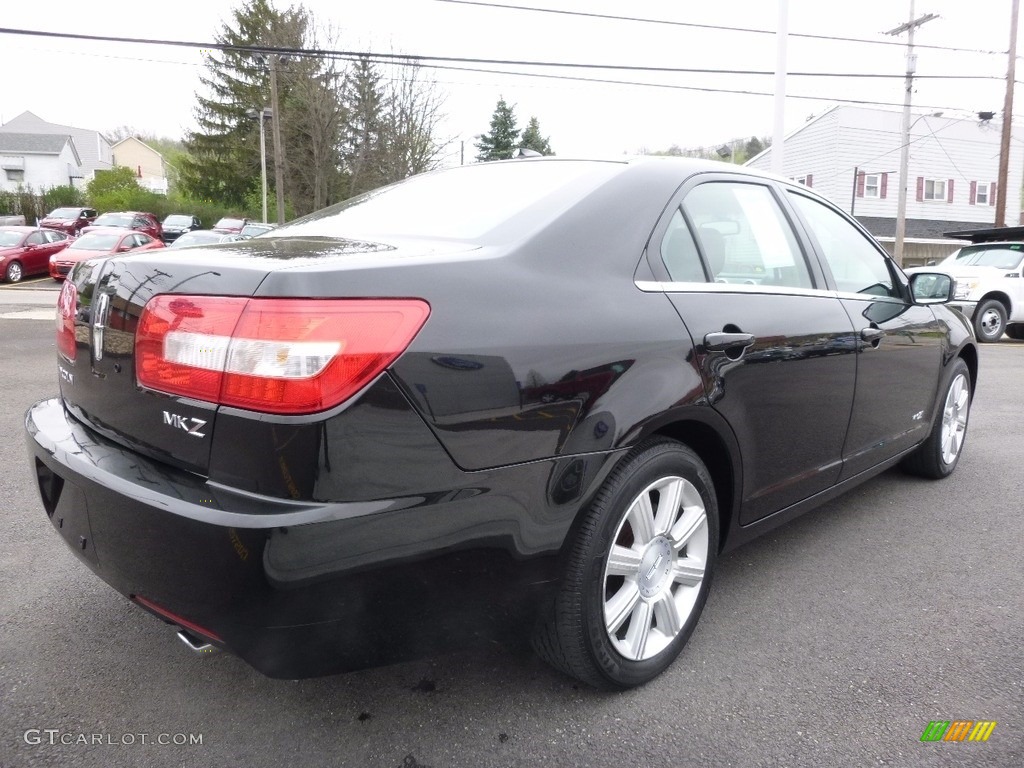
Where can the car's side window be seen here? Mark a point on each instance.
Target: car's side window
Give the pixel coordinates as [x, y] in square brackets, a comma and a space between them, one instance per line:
[54, 237]
[36, 238]
[679, 252]
[857, 266]
[745, 236]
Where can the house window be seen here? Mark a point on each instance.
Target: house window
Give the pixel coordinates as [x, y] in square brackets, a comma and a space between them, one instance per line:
[15, 174]
[981, 196]
[872, 184]
[807, 181]
[935, 189]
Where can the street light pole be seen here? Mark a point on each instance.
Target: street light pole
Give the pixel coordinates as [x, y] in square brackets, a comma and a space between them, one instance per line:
[263, 159]
[1004, 146]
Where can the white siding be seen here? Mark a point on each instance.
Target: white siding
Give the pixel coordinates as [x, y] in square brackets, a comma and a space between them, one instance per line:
[848, 139]
[42, 171]
[93, 148]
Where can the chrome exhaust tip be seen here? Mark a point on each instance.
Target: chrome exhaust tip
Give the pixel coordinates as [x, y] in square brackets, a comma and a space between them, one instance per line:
[195, 644]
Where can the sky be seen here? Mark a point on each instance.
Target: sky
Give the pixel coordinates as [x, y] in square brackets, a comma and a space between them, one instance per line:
[153, 88]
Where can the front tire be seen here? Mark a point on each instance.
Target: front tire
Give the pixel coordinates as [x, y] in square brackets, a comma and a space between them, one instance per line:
[1015, 331]
[638, 572]
[990, 321]
[938, 456]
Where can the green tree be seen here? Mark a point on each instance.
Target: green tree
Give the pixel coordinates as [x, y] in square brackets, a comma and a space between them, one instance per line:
[503, 138]
[362, 139]
[533, 140]
[753, 147]
[223, 157]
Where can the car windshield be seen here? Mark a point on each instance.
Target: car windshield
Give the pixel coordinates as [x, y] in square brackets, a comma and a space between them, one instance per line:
[95, 241]
[176, 220]
[1001, 256]
[197, 238]
[9, 238]
[65, 213]
[114, 220]
[461, 203]
[252, 230]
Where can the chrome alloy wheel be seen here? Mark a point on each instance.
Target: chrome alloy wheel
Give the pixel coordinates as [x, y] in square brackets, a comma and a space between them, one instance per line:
[14, 273]
[954, 418]
[655, 568]
[990, 322]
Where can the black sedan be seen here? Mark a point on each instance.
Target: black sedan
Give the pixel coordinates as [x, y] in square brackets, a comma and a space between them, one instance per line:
[538, 394]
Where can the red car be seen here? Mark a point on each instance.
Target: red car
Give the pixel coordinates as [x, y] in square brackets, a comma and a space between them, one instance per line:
[103, 241]
[27, 250]
[69, 220]
[137, 220]
[234, 226]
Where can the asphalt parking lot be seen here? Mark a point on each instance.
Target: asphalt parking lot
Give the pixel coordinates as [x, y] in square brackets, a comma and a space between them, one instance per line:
[833, 641]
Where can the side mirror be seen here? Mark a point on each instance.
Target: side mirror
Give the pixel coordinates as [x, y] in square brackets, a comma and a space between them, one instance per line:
[123, 248]
[932, 287]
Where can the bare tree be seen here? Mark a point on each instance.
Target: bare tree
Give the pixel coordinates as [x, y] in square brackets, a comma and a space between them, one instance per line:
[413, 114]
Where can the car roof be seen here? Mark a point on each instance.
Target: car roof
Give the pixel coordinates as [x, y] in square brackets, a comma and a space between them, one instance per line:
[24, 228]
[989, 235]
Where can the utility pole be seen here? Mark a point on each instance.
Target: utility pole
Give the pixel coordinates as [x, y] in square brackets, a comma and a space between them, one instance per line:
[779, 129]
[901, 212]
[275, 124]
[1004, 149]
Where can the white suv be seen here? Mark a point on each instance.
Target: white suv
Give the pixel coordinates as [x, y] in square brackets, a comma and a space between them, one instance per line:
[989, 284]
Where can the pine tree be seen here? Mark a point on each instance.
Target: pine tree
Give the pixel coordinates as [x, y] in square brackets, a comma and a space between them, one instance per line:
[533, 140]
[223, 154]
[502, 141]
[362, 139]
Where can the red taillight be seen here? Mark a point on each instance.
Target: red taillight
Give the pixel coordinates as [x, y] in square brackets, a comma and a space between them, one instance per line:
[273, 355]
[66, 305]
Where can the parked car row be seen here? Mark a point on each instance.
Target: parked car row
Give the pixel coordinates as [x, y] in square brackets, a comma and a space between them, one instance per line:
[78, 233]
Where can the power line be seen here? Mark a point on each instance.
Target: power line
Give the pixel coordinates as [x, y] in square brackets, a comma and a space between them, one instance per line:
[321, 53]
[718, 27]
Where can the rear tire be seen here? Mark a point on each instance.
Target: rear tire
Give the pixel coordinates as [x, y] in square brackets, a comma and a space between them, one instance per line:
[990, 321]
[637, 573]
[14, 272]
[938, 456]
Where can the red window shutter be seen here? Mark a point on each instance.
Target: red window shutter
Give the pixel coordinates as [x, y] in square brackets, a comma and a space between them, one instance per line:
[884, 186]
[860, 184]
[974, 193]
[810, 178]
[949, 191]
[920, 188]
[992, 194]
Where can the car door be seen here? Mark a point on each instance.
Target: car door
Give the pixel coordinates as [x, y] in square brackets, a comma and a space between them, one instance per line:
[36, 256]
[775, 348]
[899, 343]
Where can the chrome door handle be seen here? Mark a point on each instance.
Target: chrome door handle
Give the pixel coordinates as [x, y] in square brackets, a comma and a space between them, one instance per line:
[872, 334]
[720, 342]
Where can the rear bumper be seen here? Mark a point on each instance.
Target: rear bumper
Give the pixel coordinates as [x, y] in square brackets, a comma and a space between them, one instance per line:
[299, 589]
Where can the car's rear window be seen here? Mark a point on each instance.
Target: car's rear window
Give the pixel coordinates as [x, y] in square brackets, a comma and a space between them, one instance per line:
[177, 221]
[65, 213]
[461, 203]
[114, 220]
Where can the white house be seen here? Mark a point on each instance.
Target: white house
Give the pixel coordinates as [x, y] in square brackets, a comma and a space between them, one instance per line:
[39, 161]
[93, 148]
[851, 155]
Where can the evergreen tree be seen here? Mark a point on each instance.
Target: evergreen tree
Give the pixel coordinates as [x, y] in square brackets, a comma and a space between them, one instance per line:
[362, 140]
[753, 147]
[503, 139]
[223, 159]
[533, 140]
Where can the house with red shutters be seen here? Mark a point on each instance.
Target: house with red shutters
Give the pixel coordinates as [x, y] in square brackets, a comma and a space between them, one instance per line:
[851, 155]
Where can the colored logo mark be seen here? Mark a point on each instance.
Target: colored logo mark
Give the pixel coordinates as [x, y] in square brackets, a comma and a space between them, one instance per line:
[958, 730]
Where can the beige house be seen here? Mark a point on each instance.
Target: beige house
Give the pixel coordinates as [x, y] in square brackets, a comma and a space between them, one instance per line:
[148, 164]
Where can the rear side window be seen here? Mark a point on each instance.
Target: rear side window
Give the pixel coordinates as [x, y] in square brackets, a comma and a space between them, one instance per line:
[742, 235]
[856, 264]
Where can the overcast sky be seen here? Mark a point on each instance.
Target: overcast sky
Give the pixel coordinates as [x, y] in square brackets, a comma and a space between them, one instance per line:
[152, 88]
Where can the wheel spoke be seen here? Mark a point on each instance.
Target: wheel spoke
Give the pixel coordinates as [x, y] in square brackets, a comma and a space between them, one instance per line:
[667, 614]
[669, 498]
[639, 630]
[623, 561]
[619, 608]
[641, 519]
[688, 571]
[692, 520]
